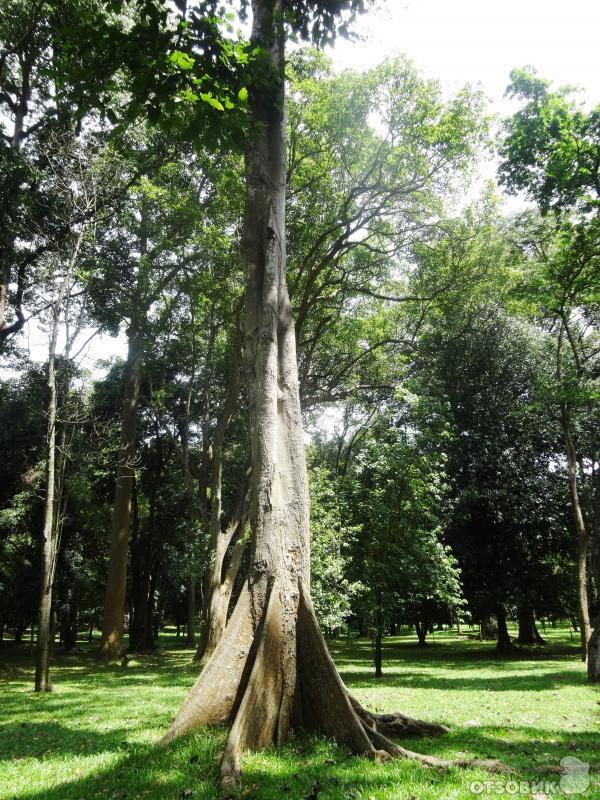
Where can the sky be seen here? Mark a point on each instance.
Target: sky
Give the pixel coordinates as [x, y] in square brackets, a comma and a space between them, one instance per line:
[480, 41]
[458, 42]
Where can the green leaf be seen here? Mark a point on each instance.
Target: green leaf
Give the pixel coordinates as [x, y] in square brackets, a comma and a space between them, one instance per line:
[181, 60]
[212, 101]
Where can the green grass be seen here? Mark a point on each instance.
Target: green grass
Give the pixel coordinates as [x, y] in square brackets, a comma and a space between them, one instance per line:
[95, 736]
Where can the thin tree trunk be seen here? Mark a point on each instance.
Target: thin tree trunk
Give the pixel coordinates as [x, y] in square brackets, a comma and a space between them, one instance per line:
[7, 236]
[68, 626]
[593, 665]
[421, 628]
[49, 540]
[378, 657]
[582, 539]
[144, 566]
[42, 665]
[192, 500]
[111, 645]
[216, 593]
[190, 604]
[219, 601]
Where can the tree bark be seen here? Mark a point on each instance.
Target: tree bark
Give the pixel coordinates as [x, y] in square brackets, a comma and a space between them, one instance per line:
[111, 645]
[191, 490]
[581, 534]
[219, 601]
[504, 643]
[528, 632]
[7, 235]
[68, 619]
[218, 583]
[144, 563]
[141, 632]
[487, 629]
[377, 649]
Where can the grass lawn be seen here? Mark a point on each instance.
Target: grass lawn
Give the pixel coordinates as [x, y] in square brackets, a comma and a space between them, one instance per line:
[95, 736]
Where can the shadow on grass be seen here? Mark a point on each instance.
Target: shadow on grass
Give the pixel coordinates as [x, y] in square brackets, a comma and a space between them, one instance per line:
[450, 652]
[116, 768]
[542, 681]
[42, 739]
[190, 768]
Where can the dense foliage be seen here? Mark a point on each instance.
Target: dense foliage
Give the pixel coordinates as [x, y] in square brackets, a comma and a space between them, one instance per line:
[445, 356]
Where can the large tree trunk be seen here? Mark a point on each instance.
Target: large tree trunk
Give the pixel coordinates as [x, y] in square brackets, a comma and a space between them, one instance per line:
[487, 629]
[504, 643]
[111, 645]
[271, 670]
[582, 539]
[528, 632]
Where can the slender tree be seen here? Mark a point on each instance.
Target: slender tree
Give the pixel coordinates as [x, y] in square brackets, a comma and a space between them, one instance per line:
[551, 150]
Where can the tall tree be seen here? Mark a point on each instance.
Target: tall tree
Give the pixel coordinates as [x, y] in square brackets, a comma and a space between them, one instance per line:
[144, 248]
[77, 170]
[551, 150]
[271, 670]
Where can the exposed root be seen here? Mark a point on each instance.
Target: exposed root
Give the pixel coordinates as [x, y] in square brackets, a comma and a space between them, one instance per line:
[247, 679]
[341, 716]
[325, 703]
[212, 698]
[397, 725]
[382, 743]
[256, 720]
